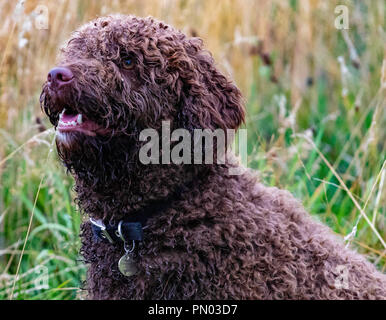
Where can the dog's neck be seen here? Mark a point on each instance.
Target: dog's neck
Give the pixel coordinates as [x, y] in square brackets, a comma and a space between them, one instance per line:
[136, 191]
[111, 183]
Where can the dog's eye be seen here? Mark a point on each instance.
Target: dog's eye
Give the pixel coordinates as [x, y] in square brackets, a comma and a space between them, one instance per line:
[127, 63]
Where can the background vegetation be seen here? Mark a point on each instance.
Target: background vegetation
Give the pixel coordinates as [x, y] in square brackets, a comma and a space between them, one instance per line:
[315, 95]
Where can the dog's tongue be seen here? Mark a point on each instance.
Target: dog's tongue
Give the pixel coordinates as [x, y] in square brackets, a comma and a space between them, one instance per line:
[70, 120]
[69, 117]
[76, 122]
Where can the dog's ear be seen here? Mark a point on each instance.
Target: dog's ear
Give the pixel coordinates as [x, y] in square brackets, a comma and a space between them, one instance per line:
[208, 100]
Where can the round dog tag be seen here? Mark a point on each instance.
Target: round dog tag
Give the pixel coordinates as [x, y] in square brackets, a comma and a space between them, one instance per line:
[127, 266]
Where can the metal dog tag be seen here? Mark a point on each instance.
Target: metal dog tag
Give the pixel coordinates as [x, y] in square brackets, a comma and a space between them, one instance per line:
[127, 266]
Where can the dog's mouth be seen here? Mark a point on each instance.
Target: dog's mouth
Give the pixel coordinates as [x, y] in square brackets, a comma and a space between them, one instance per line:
[77, 122]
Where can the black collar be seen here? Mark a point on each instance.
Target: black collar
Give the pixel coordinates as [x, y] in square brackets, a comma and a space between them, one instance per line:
[131, 228]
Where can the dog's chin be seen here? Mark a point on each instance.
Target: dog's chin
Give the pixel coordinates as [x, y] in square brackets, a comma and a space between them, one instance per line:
[77, 149]
[70, 140]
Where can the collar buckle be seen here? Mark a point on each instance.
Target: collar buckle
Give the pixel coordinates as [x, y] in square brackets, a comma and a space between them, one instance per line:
[102, 227]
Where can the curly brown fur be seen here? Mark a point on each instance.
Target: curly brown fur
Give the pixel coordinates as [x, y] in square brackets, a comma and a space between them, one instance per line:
[228, 237]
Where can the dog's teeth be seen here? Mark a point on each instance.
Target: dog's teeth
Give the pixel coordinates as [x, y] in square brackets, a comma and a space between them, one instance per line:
[74, 123]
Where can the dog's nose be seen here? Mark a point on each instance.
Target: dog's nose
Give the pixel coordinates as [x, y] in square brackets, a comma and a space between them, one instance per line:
[59, 76]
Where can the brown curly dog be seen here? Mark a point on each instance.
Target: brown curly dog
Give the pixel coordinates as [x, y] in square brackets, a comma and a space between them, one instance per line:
[179, 231]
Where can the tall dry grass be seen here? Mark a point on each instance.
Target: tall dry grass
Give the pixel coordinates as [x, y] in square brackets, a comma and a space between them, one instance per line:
[316, 117]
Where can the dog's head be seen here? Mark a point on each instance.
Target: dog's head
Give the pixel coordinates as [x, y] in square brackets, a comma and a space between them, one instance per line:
[118, 75]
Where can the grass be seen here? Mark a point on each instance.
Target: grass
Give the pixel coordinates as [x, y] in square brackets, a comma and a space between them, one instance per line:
[316, 101]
